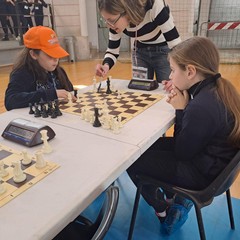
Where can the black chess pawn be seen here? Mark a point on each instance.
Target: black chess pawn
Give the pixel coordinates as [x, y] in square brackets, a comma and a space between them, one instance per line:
[96, 122]
[109, 91]
[37, 112]
[41, 103]
[44, 111]
[56, 106]
[50, 108]
[31, 108]
[54, 114]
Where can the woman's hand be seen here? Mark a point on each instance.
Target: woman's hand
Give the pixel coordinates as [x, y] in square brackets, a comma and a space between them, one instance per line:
[178, 99]
[102, 70]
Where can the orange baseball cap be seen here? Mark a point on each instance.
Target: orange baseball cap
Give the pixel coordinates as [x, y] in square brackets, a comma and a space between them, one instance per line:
[45, 39]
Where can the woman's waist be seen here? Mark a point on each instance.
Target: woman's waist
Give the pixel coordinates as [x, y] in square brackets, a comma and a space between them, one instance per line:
[150, 46]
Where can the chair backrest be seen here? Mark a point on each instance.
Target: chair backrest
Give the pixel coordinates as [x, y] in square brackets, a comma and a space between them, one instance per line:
[224, 180]
[107, 213]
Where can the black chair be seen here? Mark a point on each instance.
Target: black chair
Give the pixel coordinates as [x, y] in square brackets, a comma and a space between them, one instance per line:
[84, 229]
[200, 198]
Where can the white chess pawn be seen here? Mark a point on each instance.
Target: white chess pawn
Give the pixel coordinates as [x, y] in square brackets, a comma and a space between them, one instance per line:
[94, 84]
[26, 158]
[40, 162]
[83, 113]
[3, 171]
[115, 126]
[106, 122]
[78, 97]
[19, 175]
[119, 94]
[46, 148]
[2, 188]
[70, 101]
[119, 119]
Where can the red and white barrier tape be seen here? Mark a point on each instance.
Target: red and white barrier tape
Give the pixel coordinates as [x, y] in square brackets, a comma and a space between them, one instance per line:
[223, 25]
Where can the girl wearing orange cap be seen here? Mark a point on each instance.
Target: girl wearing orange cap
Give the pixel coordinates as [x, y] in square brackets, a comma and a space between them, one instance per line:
[36, 75]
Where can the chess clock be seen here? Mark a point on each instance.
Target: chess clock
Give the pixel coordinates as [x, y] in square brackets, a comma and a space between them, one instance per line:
[143, 84]
[26, 132]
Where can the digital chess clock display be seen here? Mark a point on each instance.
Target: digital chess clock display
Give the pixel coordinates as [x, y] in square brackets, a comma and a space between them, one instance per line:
[141, 83]
[26, 132]
[21, 132]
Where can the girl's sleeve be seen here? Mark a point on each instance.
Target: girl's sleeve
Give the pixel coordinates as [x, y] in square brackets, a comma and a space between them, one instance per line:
[21, 91]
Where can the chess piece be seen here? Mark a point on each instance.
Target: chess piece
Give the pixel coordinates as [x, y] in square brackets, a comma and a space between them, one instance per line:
[57, 110]
[94, 84]
[106, 122]
[50, 108]
[78, 97]
[37, 112]
[31, 108]
[54, 114]
[3, 171]
[115, 126]
[119, 119]
[99, 87]
[41, 103]
[2, 187]
[46, 147]
[26, 158]
[19, 175]
[44, 111]
[109, 91]
[96, 122]
[70, 101]
[83, 113]
[119, 94]
[40, 162]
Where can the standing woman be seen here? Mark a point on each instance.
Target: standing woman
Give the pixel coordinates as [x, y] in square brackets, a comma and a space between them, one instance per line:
[150, 24]
[38, 11]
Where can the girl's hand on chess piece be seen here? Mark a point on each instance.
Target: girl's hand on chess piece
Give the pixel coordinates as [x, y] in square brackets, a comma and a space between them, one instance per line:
[178, 99]
[62, 93]
[102, 70]
[167, 85]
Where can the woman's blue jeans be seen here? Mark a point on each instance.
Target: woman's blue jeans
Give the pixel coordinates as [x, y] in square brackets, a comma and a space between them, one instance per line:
[154, 58]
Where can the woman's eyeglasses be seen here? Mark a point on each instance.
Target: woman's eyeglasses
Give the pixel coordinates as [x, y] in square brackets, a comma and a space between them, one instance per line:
[112, 23]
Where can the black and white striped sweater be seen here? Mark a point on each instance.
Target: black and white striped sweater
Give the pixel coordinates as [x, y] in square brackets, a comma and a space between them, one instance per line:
[157, 28]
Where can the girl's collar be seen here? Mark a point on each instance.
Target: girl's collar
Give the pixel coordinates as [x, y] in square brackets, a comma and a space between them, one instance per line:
[195, 89]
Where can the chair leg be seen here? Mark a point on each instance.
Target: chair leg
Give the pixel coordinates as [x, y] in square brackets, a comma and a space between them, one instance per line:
[230, 211]
[200, 223]
[134, 214]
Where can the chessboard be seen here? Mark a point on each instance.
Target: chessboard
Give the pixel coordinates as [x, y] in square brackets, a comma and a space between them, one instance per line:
[126, 104]
[33, 174]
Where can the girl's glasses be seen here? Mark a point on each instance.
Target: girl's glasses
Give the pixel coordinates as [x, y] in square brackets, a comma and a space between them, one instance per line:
[112, 23]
